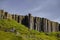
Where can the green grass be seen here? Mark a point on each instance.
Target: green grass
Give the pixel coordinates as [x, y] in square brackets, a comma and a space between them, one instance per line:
[23, 32]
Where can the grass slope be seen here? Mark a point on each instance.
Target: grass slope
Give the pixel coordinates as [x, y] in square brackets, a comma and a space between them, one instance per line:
[23, 33]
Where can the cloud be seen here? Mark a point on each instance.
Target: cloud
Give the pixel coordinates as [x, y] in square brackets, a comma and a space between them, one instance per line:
[57, 19]
[35, 9]
[49, 9]
[43, 8]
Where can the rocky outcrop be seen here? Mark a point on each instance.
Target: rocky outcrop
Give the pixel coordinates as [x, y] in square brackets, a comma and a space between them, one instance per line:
[33, 23]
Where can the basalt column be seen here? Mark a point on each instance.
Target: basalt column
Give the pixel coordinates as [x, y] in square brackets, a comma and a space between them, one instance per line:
[48, 26]
[13, 16]
[54, 27]
[9, 16]
[16, 18]
[44, 25]
[59, 27]
[23, 21]
[1, 14]
[26, 21]
[6, 15]
[20, 19]
[37, 24]
[30, 21]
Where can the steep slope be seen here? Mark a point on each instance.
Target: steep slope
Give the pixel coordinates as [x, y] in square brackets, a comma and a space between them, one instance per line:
[11, 30]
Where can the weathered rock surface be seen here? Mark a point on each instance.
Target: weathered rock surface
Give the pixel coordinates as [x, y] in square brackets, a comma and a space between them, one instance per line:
[33, 23]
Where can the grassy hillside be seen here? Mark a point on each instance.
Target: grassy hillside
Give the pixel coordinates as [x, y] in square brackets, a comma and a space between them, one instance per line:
[20, 32]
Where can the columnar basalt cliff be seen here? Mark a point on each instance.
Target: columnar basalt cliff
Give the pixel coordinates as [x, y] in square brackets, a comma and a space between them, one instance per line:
[33, 23]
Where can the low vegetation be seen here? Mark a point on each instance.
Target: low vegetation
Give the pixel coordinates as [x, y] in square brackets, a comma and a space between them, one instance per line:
[11, 30]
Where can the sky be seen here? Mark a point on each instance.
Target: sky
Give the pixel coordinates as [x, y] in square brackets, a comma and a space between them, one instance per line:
[49, 9]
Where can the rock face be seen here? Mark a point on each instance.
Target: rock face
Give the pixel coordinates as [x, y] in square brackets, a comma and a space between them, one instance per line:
[33, 23]
[37, 23]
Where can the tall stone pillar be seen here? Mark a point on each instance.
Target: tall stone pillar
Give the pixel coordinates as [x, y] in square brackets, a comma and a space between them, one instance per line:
[6, 15]
[26, 20]
[23, 20]
[37, 25]
[1, 14]
[30, 21]
[44, 25]
[54, 26]
[9, 16]
[49, 26]
[19, 19]
[13, 16]
[16, 17]
[59, 27]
